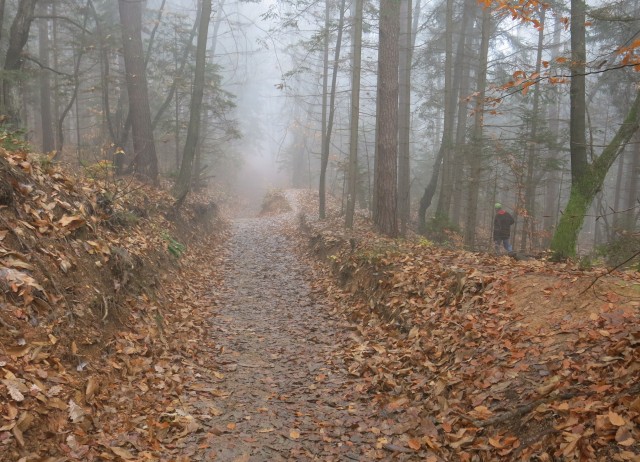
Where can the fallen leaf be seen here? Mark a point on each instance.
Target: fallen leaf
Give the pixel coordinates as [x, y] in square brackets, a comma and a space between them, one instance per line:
[624, 437]
[13, 386]
[121, 452]
[76, 413]
[71, 222]
[92, 386]
[414, 444]
[616, 419]
[294, 434]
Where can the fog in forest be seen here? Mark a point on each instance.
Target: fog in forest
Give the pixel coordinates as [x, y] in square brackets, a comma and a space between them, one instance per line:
[461, 105]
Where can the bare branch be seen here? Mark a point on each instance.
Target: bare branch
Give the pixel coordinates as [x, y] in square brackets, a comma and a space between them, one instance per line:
[42, 66]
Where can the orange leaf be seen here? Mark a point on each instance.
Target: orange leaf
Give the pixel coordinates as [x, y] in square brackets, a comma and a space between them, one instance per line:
[414, 444]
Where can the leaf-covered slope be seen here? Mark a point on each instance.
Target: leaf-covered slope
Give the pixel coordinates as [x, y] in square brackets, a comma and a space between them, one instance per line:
[480, 357]
[101, 326]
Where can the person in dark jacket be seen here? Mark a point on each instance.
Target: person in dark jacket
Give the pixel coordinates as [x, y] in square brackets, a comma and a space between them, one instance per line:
[502, 228]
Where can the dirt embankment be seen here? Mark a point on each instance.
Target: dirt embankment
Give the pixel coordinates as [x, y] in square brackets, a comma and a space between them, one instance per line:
[502, 359]
[90, 319]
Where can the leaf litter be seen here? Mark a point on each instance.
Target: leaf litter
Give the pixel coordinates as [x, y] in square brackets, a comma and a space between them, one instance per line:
[250, 347]
[485, 357]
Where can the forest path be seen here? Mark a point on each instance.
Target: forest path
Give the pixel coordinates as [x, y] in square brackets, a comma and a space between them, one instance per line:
[285, 394]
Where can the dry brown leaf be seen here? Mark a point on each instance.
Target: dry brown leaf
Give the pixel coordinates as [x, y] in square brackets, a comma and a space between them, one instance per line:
[624, 437]
[414, 444]
[294, 434]
[122, 452]
[92, 386]
[17, 433]
[397, 404]
[12, 412]
[76, 413]
[71, 221]
[13, 386]
[616, 419]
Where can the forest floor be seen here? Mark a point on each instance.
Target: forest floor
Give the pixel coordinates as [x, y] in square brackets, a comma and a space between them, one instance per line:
[129, 334]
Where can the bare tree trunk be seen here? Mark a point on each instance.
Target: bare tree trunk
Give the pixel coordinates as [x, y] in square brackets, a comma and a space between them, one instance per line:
[528, 227]
[355, 114]
[79, 53]
[56, 79]
[452, 158]
[552, 190]
[386, 172]
[577, 121]
[18, 35]
[404, 117]
[2, 5]
[475, 157]
[322, 187]
[145, 160]
[183, 183]
[447, 130]
[632, 205]
[46, 116]
[463, 68]
[331, 109]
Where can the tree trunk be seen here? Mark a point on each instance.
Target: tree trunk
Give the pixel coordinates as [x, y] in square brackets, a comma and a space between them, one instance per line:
[79, 53]
[452, 158]
[475, 156]
[404, 117]
[56, 78]
[2, 5]
[463, 67]
[552, 190]
[179, 75]
[355, 114]
[322, 187]
[528, 227]
[631, 212]
[584, 189]
[386, 173]
[145, 161]
[331, 108]
[46, 116]
[447, 130]
[577, 92]
[18, 35]
[183, 183]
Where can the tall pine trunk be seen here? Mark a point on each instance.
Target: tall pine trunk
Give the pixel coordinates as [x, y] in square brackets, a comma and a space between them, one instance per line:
[404, 117]
[385, 193]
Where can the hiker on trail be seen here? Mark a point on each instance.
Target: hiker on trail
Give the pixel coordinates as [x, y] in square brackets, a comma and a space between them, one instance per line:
[502, 228]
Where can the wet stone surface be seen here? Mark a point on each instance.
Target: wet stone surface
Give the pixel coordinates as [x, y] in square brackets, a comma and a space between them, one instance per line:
[284, 393]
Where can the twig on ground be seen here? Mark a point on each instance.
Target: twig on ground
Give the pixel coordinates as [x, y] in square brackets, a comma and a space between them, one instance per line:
[610, 271]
